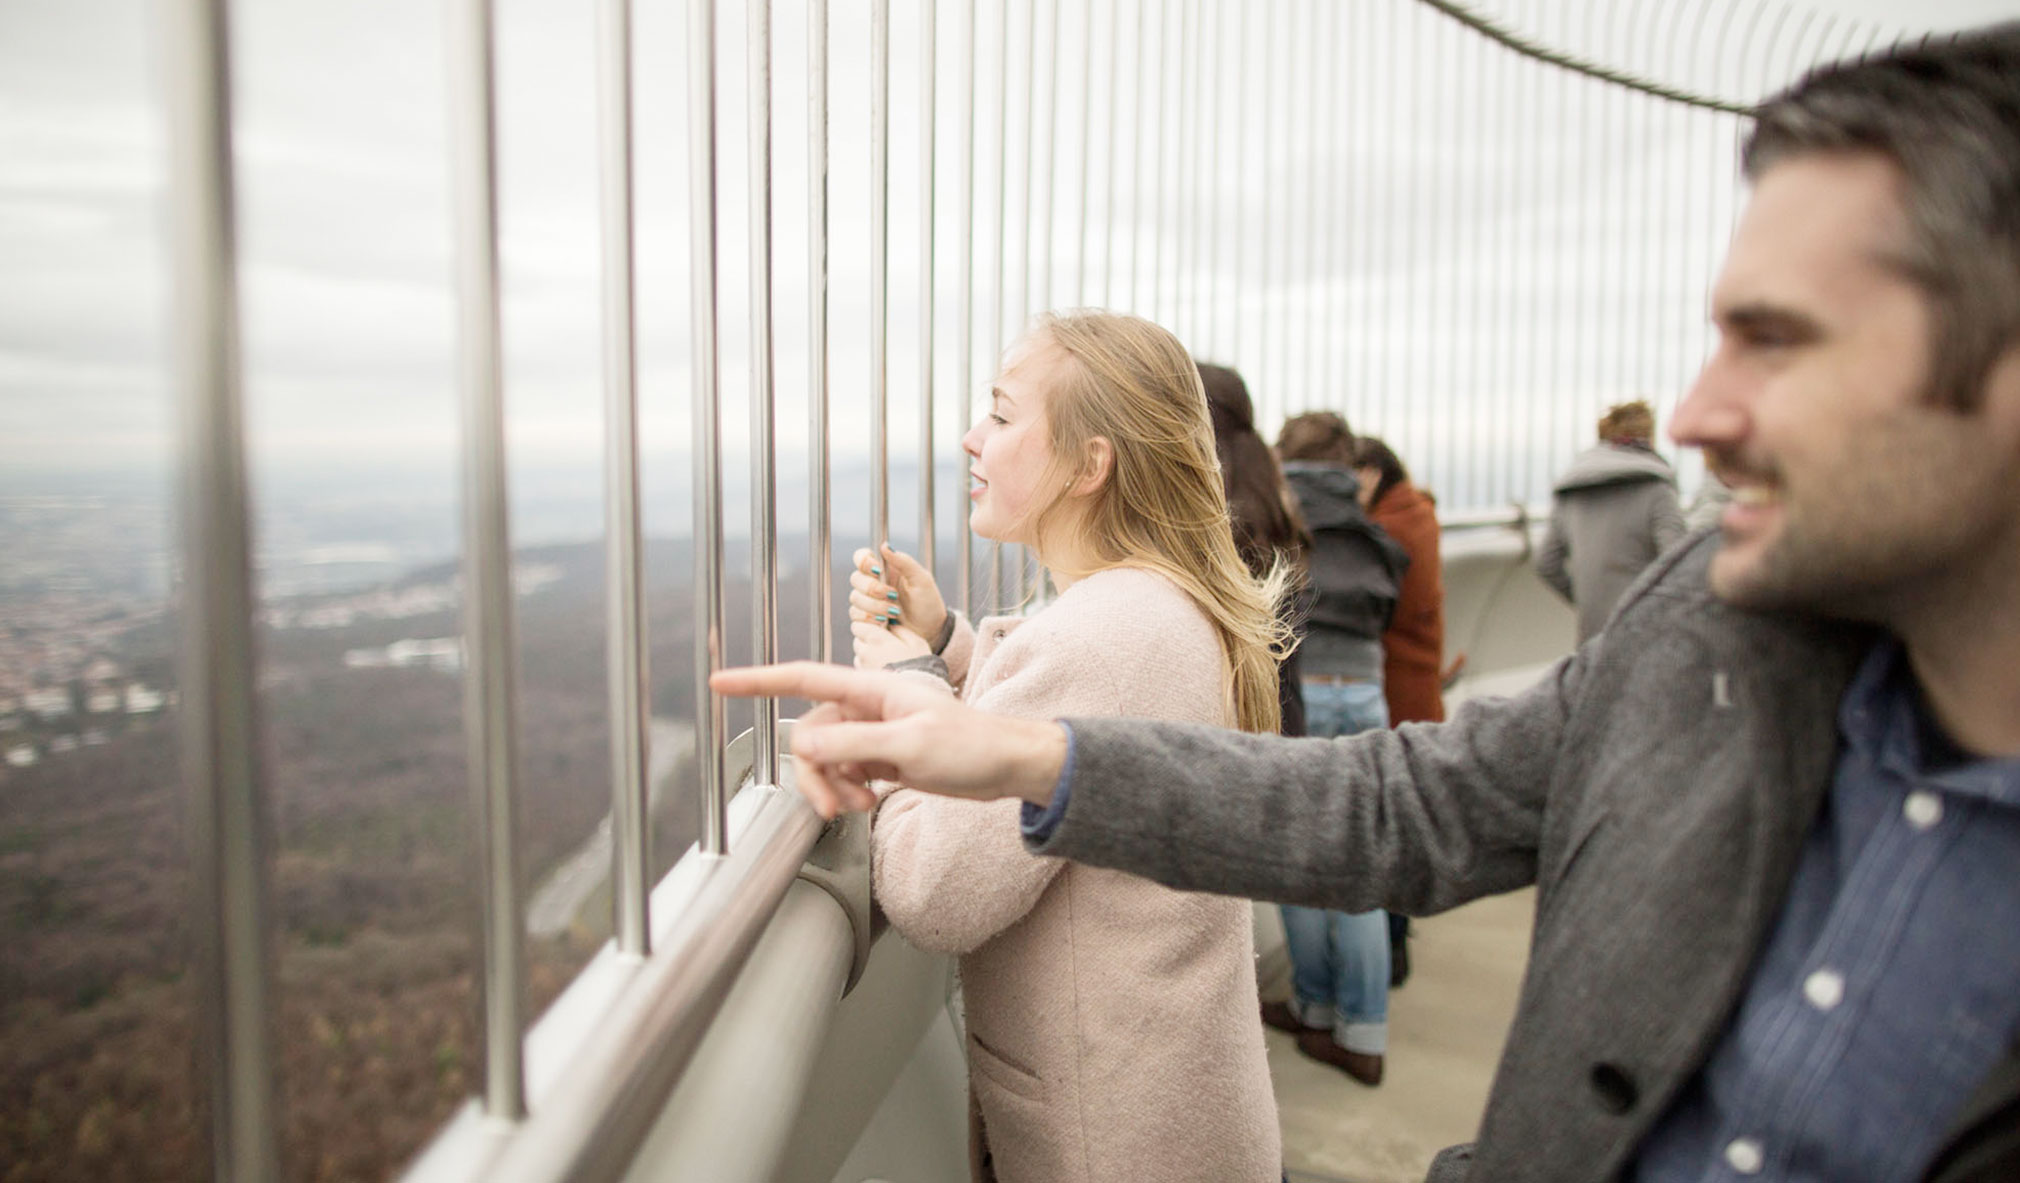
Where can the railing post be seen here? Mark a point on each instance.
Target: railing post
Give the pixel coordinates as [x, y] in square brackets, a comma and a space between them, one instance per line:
[964, 294]
[487, 561]
[764, 550]
[993, 596]
[928, 103]
[707, 427]
[880, 272]
[228, 829]
[820, 513]
[631, 852]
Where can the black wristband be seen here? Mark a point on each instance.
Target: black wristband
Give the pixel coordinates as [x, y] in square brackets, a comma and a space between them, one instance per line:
[946, 633]
[929, 664]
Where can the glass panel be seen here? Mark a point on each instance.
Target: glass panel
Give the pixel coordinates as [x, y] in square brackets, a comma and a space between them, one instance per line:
[95, 1018]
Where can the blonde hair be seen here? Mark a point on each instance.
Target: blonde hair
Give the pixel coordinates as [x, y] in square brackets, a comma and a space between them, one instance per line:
[1162, 507]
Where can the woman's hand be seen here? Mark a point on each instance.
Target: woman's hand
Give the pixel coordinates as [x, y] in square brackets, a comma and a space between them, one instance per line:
[895, 590]
[878, 645]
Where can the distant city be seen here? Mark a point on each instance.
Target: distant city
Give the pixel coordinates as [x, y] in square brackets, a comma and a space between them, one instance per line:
[86, 648]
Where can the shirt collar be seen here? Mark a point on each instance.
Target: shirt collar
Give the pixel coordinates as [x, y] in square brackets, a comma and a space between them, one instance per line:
[1882, 717]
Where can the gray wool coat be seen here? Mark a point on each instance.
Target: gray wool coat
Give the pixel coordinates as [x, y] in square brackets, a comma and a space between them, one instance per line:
[1656, 787]
[1613, 511]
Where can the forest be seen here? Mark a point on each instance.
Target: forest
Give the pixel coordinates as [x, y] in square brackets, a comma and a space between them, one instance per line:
[371, 879]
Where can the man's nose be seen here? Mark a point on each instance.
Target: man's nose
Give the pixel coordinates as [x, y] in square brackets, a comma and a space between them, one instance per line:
[1713, 411]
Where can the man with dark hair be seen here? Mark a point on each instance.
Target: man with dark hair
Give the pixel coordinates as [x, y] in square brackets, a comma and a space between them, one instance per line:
[1773, 811]
[1612, 512]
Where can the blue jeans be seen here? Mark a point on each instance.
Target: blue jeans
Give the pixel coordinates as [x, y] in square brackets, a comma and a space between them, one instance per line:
[1340, 960]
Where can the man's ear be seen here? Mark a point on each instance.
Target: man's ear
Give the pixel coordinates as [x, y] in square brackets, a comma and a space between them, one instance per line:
[1095, 467]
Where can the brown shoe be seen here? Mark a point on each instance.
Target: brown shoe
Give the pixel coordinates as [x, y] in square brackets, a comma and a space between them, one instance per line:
[1319, 1046]
[1282, 1017]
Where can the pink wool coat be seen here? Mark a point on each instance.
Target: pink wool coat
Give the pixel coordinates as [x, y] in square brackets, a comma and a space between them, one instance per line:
[1112, 1023]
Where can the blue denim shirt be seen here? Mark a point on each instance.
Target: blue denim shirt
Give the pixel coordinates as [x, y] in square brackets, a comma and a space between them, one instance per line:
[1891, 983]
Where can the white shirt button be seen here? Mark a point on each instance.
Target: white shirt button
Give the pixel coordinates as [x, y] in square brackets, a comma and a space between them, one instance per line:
[1745, 1156]
[1825, 988]
[1923, 809]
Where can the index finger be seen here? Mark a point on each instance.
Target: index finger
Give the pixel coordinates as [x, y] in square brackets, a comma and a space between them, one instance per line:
[798, 679]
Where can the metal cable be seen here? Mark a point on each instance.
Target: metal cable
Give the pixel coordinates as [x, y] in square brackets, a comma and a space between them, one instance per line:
[1577, 65]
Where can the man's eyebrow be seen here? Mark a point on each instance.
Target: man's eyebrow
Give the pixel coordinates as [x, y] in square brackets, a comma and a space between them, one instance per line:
[1762, 315]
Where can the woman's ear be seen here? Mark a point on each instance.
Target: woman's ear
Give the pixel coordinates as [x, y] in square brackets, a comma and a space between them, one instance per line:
[1095, 467]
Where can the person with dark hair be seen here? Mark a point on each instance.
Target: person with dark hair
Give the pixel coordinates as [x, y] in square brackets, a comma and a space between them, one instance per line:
[1611, 513]
[1340, 960]
[1772, 812]
[1413, 646]
[1267, 526]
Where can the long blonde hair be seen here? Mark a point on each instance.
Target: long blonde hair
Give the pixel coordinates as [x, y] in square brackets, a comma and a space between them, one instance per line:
[1162, 507]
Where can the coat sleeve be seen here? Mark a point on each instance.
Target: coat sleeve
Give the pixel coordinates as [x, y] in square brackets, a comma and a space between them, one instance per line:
[960, 651]
[951, 874]
[1417, 819]
[1550, 559]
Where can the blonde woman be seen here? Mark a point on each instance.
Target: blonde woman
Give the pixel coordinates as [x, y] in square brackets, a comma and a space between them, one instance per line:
[1112, 1023]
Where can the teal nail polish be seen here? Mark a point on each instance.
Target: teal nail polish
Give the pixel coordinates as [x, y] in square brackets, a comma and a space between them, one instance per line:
[892, 596]
[876, 570]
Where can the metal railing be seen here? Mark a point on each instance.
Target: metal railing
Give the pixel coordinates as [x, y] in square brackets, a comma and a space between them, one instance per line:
[1372, 207]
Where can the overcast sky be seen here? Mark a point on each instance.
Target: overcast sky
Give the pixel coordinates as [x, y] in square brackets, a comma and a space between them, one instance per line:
[345, 214]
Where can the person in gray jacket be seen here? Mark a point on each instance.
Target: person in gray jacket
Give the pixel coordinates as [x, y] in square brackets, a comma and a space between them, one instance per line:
[1614, 510]
[1772, 813]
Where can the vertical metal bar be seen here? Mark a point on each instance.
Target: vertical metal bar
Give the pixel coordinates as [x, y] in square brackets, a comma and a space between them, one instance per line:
[1520, 110]
[880, 272]
[1448, 228]
[1031, 575]
[1141, 100]
[624, 577]
[1467, 278]
[964, 293]
[1408, 396]
[764, 550]
[1002, 293]
[1676, 122]
[820, 513]
[1351, 251]
[1316, 281]
[1381, 212]
[1217, 183]
[1050, 194]
[1113, 121]
[1240, 228]
[1024, 303]
[995, 585]
[1154, 307]
[1186, 316]
[1591, 158]
[1086, 143]
[228, 829]
[707, 425]
[928, 103]
[1267, 381]
[1285, 185]
[487, 576]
